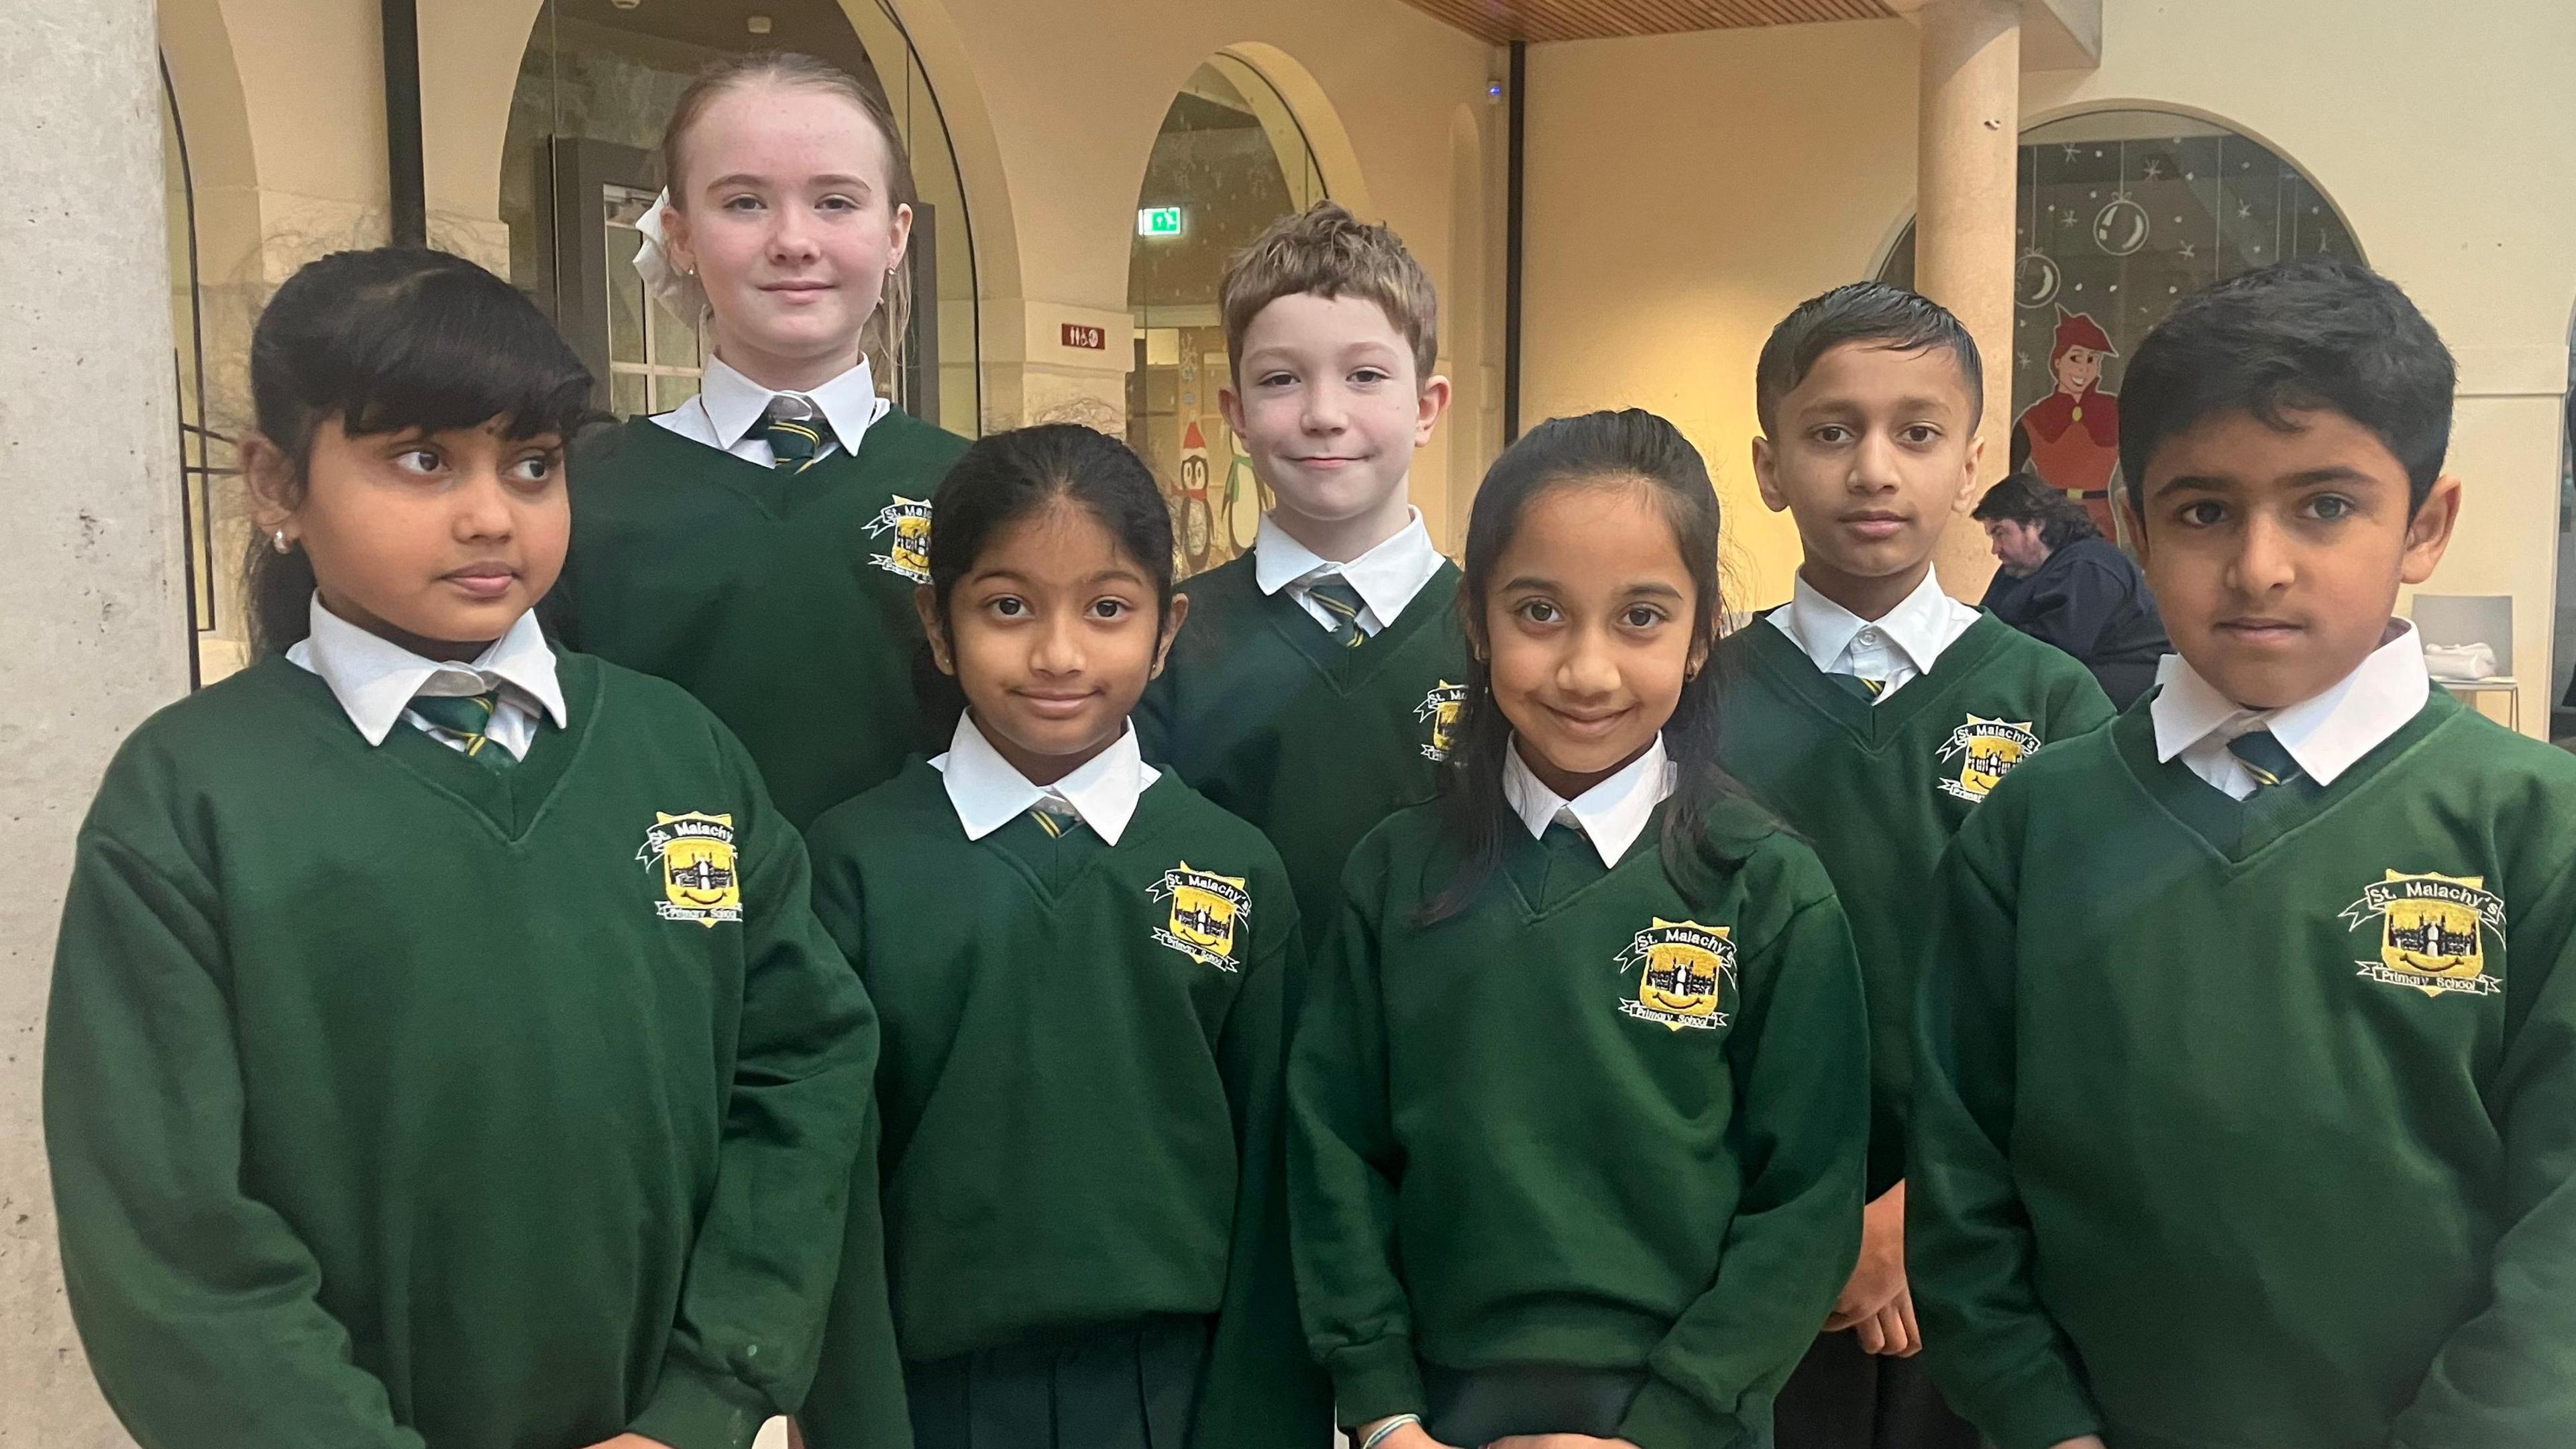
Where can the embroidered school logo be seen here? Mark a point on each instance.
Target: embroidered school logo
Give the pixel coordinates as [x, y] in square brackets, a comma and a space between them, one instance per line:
[1206, 910]
[699, 880]
[2432, 932]
[1987, 750]
[908, 554]
[1680, 967]
[1440, 710]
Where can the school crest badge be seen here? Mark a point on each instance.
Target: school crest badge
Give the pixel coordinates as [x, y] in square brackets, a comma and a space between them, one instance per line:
[2433, 931]
[1681, 968]
[905, 523]
[1440, 710]
[1986, 750]
[1207, 911]
[701, 880]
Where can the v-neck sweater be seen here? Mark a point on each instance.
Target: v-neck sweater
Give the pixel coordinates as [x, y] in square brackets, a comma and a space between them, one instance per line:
[2253, 1123]
[1265, 713]
[1878, 788]
[781, 599]
[1080, 1083]
[1600, 1118]
[392, 1100]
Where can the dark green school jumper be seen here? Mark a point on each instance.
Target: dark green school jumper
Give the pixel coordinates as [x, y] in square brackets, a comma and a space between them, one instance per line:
[1260, 710]
[394, 1101]
[781, 599]
[1085, 1230]
[2254, 1123]
[1597, 1132]
[1879, 788]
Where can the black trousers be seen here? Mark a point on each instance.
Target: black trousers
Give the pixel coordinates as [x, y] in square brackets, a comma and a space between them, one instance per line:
[1122, 1386]
[1841, 1397]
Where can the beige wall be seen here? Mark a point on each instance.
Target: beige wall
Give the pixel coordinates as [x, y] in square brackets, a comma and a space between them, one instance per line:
[1685, 192]
[284, 103]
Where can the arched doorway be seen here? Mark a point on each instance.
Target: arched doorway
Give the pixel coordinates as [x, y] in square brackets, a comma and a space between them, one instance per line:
[580, 167]
[1231, 157]
[2122, 213]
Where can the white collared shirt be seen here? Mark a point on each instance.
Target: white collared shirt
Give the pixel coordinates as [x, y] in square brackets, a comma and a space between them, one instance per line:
[728, 409]
[1893, 649]
[988, 792]
[2326, 733]
[1386, 577]
[375, 679]
[1611, 814]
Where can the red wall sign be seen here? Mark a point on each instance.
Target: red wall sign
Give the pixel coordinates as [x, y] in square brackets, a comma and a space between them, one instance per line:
[1089, 339]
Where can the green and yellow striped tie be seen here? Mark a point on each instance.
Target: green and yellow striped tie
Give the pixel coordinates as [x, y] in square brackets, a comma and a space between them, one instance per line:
[1864, 687]
[1055, 818]
[794, 443]
[463, 719]
[1343, 602]
[2265, 758]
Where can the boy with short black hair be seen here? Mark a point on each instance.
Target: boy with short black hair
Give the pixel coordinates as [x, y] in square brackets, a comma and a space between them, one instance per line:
[1874, 712]
[1316, 687]
[2245, 1104]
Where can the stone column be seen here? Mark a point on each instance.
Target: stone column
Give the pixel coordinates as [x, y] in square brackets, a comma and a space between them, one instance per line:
[89, 570]
[1963, 238]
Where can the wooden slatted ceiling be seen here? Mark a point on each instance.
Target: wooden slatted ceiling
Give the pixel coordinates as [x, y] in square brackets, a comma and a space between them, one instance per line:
[1498, 21]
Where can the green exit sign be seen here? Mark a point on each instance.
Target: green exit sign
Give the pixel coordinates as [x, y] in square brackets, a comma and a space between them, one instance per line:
[1159, 221]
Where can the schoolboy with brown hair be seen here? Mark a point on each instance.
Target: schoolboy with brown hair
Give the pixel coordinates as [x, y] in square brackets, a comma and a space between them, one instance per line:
[1317, 686]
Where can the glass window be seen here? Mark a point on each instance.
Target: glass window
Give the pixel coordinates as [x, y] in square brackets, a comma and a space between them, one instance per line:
[2122, 214]
[214, 504]
[652, 350]
[582, 164]
[1229, 160]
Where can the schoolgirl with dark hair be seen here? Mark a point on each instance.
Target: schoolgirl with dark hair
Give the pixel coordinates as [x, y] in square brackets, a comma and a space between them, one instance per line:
[443, 1050]
[1082, 965]
[1578, 1098]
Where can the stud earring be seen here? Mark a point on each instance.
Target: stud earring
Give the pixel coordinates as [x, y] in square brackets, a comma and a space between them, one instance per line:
[277, 539]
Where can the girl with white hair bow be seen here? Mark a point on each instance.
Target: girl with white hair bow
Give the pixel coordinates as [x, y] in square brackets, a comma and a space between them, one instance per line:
[760, 543]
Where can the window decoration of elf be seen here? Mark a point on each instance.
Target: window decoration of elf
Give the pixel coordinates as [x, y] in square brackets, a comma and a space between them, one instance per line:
[2073, 435]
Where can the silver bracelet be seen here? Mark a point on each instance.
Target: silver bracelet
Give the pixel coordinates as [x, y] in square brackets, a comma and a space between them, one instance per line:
[1385, 1431]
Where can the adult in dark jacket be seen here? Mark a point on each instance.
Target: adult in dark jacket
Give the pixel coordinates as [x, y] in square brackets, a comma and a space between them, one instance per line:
[2063, 583]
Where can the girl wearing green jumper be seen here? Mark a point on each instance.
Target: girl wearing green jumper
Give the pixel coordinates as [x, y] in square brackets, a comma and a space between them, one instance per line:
[1580, 1095]
[759, 544]
[1082, 964]
[442, 1052]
